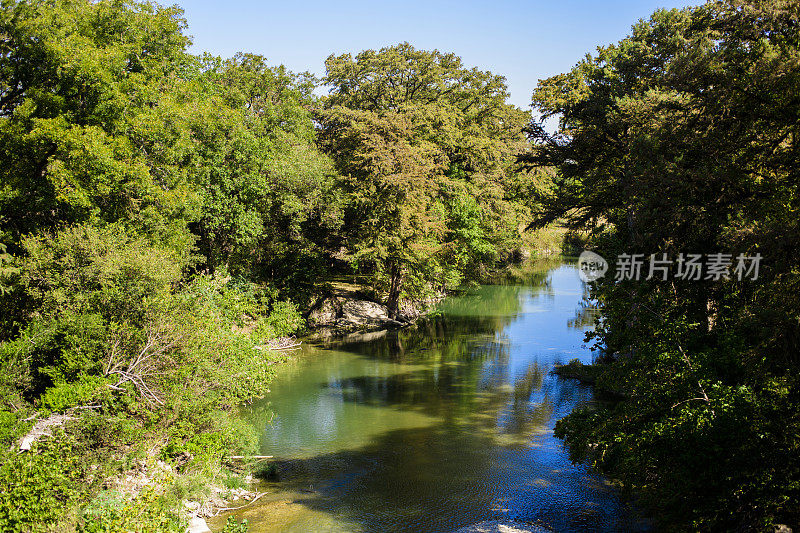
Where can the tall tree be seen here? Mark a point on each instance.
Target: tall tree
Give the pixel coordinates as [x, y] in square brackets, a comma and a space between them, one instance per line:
[85, 129]
[266, 191]
[425, 145]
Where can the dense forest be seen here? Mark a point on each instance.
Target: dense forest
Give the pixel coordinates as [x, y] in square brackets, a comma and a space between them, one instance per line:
[164, 217]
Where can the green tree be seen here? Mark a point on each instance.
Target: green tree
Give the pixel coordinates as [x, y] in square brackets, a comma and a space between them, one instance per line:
[414, 133]
[122, 157]
[264, 187]
[681, 139]
[84, 132]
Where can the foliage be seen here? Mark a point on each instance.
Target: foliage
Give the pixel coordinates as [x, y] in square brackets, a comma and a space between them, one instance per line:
[38, 485]
[267, 193]
[6, 270]
[114, 330]
[163, 216]
[426, 148]
[83, 117]
[681, 139]
[112, 512]
[232, 526]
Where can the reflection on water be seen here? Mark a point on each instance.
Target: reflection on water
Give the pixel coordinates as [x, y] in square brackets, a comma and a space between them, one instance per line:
[439, 426]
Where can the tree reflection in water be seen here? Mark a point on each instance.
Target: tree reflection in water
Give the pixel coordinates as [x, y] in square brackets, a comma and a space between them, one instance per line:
[438, 426]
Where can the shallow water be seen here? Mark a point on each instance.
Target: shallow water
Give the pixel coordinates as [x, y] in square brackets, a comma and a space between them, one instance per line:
[440, 426]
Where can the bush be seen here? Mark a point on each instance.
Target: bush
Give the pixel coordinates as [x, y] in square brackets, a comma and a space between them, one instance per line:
[86, 390]
[111, 512]
[38, 485]
[114, 328]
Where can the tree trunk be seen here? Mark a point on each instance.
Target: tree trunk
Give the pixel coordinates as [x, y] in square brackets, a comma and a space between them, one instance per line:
[398, 276]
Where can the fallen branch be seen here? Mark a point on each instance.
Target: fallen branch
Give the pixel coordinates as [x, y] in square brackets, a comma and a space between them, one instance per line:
[281, 343]
[222, 509]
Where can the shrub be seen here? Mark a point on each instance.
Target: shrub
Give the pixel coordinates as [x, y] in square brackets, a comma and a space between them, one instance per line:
[39, 484]
[85, 391]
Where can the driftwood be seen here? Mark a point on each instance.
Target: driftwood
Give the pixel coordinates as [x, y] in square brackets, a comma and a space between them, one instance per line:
[249, 457]
[222, 509]
[281, 343]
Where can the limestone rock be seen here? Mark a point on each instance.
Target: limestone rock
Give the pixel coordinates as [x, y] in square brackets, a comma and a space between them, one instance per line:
[364, 312]
[197, 525]
[325, 313]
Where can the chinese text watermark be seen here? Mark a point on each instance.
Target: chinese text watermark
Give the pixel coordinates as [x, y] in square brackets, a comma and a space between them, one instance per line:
[690, 266]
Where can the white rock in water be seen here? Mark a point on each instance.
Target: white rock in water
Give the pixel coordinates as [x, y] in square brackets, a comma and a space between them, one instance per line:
[496, 526]
[197, 525]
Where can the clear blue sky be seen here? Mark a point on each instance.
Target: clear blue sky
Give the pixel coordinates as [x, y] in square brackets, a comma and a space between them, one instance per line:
[521, 40]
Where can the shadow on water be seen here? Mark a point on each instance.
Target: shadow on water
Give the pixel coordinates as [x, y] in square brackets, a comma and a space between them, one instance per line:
[438, 426]
[437, 479]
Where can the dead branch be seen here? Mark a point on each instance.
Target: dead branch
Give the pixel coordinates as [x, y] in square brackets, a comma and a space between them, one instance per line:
[221, 509]
[281, 343]
[139, 368]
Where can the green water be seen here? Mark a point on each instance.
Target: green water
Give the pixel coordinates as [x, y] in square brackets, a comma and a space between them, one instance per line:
[440, 426]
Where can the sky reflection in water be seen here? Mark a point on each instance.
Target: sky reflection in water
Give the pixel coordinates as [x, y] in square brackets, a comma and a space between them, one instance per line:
[440, 426]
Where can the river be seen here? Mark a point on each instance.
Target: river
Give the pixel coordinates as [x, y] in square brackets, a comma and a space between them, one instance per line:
[439, 426]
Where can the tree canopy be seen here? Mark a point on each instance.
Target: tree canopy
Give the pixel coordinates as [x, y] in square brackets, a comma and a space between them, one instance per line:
[426, 148]
[681, 139]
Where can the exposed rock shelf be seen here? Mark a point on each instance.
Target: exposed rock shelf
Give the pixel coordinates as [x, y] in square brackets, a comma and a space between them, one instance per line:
[341, 314]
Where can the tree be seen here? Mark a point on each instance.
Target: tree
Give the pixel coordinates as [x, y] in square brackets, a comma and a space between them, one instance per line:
[264, 187]
[84, 132]
[414, 133]
[681, 139]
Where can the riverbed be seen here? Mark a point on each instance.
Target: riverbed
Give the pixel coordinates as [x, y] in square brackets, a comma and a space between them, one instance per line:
[439, 426]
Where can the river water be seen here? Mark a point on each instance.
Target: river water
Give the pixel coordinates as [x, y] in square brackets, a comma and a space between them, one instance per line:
[439, 426]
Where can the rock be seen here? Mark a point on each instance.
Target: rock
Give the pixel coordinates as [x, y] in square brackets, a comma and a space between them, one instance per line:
[335, 316]
[364, 312]
[496, 526]
[782, 528]
[325, 313]
[197, 525]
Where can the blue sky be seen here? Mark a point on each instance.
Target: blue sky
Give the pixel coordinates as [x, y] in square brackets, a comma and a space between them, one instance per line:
[523, 41]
